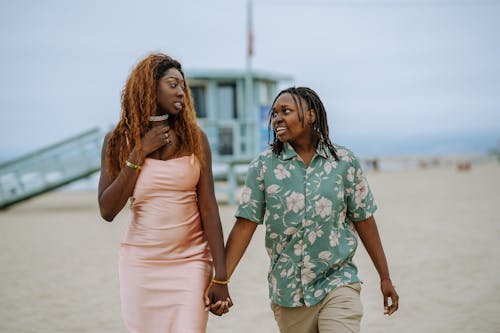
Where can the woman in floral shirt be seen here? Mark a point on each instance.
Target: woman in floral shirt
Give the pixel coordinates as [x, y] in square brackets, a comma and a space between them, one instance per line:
[313, 198]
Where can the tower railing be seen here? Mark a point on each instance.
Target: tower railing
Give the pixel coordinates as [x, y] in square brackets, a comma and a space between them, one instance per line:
[50, 168]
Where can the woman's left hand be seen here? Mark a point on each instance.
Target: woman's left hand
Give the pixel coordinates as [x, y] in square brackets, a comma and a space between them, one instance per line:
[217, 299]
[388, 291]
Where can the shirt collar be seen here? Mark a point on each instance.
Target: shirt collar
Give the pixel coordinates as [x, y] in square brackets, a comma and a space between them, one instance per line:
[289, 153]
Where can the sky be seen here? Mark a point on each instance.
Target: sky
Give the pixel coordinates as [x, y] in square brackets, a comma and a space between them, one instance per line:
[397, 77]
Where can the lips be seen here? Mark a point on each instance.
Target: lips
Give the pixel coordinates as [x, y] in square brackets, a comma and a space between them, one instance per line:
[179, 105]
[279, 130]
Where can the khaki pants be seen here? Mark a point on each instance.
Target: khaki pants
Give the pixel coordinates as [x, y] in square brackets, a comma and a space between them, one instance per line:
[340, 311]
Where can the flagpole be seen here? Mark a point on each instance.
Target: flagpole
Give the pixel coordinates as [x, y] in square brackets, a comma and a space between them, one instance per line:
[251, 114]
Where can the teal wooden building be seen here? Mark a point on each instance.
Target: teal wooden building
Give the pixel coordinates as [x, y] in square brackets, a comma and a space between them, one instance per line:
[235, 125]
[232, 108]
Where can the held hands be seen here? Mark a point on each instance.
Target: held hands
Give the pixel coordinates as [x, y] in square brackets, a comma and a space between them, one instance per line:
[388, 291]
[217, 299]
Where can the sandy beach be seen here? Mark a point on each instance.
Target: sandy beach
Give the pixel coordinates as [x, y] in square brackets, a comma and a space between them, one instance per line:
[440, 229]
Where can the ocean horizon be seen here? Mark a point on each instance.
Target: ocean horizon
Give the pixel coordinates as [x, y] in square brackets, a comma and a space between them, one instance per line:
[430, 145]
[436, 145]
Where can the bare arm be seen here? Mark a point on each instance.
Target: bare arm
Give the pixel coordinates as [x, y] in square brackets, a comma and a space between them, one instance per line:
[368, 232]
[217, 294]
[113, 193]
[237, 242]
[209, 212]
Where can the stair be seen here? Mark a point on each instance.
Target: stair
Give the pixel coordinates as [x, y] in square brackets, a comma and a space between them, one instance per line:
[50, 168]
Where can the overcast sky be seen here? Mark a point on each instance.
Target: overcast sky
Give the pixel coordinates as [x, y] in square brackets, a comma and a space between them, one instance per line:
[400, 71]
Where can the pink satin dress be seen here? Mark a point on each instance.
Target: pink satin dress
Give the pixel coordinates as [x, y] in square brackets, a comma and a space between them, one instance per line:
[165, 264]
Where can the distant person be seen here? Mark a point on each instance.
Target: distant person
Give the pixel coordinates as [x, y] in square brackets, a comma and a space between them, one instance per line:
[159, 158]
[312, 197]
[464, 166]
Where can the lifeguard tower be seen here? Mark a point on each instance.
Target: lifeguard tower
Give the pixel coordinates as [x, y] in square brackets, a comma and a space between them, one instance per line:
[232, 108]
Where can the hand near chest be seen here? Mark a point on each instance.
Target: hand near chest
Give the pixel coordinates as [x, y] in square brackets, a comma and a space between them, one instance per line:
[160, 143]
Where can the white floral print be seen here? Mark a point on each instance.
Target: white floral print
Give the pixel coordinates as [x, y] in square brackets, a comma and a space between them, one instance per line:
[246, 195]
[360, 194]
[297, 248]
[295, 202]
[325, 255]
[307, 271]
[308, 214]
[273, 189]
[328, 167]
[323, 207]
[281, 173]
[350, 174]
[334, 238]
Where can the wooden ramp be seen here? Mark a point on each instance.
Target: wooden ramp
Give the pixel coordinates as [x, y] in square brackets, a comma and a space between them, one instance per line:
[50, 168]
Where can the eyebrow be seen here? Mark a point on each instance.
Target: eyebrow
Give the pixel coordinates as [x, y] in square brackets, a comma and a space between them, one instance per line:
[173, 78]
[284, 106]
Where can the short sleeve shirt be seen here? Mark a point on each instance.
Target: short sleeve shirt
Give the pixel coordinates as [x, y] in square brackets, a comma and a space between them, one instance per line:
[308, 214]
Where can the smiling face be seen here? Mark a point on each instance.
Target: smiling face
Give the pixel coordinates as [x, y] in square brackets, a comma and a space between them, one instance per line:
[286, 119]
[171, 92]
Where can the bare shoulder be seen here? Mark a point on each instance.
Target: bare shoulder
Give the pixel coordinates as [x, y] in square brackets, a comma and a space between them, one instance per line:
[203, 135]
[106, 141]
[205, 152]
[204, 140]
[107, 138]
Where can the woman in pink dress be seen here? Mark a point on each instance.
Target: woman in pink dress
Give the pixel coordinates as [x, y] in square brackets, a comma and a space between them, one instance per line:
[159, 158]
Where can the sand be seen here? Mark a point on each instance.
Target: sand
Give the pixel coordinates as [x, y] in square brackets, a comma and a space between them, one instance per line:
[440, 229]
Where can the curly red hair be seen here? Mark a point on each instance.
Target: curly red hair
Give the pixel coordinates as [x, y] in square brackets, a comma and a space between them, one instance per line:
[138, 102]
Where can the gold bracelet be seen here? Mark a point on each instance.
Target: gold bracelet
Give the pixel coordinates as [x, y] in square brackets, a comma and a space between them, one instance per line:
[220, 282]
[133, 166]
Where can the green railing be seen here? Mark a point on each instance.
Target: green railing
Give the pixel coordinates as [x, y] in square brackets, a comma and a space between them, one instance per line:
[51, 167]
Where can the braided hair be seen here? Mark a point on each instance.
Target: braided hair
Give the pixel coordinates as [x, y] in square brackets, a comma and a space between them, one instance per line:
[320, 133]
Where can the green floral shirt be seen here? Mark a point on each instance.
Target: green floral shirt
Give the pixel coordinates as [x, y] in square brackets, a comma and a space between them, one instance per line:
[308, 214]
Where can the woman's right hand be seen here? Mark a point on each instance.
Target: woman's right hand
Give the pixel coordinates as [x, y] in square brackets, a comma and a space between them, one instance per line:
[155, 138]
